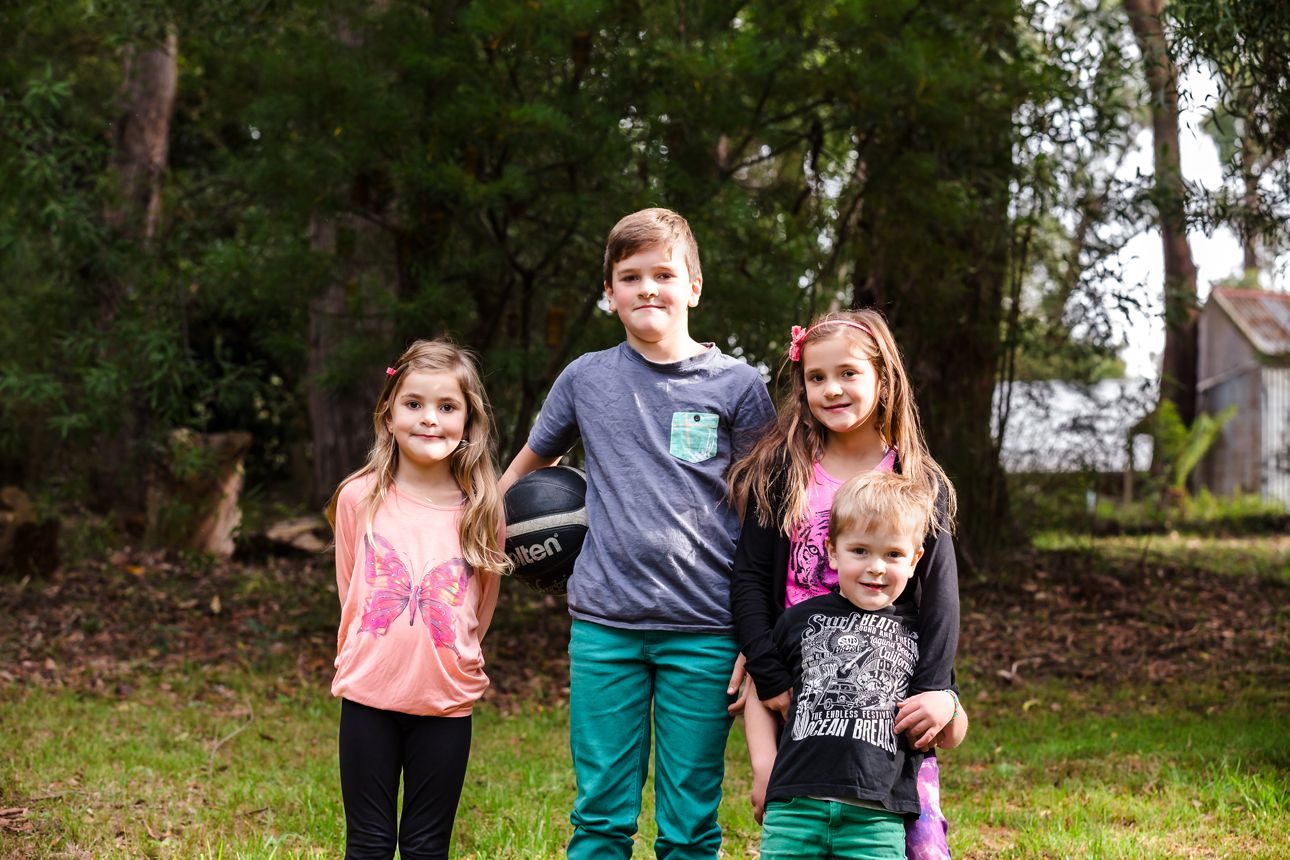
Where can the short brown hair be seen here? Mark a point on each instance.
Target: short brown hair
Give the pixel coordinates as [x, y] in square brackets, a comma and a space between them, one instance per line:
[886, 497]
[647, 228]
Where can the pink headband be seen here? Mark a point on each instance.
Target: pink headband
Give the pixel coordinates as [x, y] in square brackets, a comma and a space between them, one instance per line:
[799, 335]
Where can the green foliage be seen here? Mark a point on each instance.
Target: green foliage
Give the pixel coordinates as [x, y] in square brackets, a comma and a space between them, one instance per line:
[1245, 46]
[1066, 299]
[1192, 513]
[471, 161]
[104, 340]
[1223, 537]
[1181, 448]
[1050, 500]
[1043, 357]
[1249, 43]
[1059, 501]
[454, 168]
[1043, 503]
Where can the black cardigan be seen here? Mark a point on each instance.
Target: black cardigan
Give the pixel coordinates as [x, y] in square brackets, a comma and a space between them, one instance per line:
[758, 584]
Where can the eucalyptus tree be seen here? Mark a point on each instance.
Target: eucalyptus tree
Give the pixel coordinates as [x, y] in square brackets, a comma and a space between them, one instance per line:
[1245, 46]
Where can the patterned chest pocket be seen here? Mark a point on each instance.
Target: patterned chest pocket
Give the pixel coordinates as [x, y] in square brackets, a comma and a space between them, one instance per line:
[694, 436]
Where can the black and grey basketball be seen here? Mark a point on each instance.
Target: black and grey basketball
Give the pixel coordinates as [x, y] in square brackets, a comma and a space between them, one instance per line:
[546, 523]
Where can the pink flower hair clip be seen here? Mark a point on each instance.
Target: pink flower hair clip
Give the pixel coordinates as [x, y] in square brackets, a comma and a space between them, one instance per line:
[389, 371]
[799, 335]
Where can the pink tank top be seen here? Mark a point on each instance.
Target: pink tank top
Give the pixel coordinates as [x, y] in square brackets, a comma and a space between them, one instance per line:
[809, 571]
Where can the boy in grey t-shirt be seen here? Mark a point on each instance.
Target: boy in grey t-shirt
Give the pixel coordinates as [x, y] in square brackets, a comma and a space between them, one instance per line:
[661, 417]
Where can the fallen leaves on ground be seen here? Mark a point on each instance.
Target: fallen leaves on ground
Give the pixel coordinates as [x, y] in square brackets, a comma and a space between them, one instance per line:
[1078, 616]
[14, 819]
[96, 626]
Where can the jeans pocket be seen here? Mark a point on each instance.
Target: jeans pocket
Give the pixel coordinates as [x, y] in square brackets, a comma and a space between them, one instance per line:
[694, 436]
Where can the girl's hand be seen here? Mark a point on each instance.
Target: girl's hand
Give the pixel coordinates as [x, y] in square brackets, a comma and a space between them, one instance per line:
[737, 685]
[779, 703]
[922, 717]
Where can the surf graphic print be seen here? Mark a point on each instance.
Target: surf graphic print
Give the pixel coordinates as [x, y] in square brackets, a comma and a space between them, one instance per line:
[441, 589]
[855, 668]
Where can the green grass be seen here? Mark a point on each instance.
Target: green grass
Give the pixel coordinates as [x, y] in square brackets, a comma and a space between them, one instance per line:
[1266, 556]
[117, 748]
[1189, 771]
[220, 763]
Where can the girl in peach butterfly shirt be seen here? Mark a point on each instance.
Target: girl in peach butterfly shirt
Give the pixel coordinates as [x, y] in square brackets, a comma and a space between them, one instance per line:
[418, 558]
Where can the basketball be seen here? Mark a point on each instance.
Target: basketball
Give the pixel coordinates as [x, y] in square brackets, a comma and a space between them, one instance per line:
[546, 523]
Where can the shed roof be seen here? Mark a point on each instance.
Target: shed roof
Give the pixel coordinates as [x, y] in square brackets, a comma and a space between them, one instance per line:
[1263, 317]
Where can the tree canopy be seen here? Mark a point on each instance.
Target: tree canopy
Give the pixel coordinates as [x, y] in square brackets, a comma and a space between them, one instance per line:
[342, 176]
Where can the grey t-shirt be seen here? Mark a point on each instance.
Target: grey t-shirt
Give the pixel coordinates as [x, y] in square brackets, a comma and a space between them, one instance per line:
[659, 439]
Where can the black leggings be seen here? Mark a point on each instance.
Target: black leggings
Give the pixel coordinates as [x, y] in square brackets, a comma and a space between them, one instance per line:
[377, 746]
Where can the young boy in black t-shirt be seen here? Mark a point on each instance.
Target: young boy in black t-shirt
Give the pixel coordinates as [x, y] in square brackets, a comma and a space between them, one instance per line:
[844, 780]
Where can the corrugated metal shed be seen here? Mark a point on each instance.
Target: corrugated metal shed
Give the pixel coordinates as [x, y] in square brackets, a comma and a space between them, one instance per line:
[1264, 318]
[1245, 361]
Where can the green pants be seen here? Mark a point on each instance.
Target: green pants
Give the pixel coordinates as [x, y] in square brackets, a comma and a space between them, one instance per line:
[805, 828]
[619, 679]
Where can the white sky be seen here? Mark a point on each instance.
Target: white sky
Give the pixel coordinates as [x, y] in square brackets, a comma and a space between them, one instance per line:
[1217, 256]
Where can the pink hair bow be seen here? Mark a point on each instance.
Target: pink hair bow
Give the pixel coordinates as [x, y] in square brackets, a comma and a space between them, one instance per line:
[389, 371]
[797, 335]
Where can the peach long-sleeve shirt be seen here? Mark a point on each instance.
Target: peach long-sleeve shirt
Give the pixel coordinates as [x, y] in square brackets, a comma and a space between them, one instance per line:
[412, 612]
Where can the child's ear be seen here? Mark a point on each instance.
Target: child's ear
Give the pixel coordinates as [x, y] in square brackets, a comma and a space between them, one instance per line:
[918, 555]
[696, 288]
[833, 554]
[609, 297]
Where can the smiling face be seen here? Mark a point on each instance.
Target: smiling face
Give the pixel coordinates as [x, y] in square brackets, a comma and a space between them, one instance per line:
[427, 418]
[652, 292]
[874, 563]
[841, 384]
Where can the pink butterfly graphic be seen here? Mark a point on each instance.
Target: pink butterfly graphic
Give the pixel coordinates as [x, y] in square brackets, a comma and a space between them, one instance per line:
[441, 589]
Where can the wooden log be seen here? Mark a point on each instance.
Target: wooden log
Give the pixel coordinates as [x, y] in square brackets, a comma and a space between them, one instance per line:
[193, 497]
[28, 543]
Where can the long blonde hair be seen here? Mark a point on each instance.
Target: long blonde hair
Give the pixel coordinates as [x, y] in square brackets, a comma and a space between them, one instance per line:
[782, 459]
[472, 462]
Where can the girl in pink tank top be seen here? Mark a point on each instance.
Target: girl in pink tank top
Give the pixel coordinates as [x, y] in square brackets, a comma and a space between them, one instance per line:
[848, 409]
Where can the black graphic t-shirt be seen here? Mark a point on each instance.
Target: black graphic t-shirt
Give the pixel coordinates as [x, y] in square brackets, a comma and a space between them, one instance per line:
[850, 668]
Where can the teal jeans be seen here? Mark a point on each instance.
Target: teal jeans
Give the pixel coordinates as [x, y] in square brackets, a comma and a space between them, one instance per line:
[805, 828]
[618, 680]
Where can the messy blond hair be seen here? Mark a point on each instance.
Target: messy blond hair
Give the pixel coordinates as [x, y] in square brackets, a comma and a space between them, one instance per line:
[782, 459]
[882, 498]
[482, 519]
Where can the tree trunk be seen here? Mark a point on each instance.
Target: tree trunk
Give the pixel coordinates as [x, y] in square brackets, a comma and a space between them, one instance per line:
[340, 400]
[1250, 179]
[142, 138]
[949, 334]
[1178, 373]
[953, 369]
[943, 291]
[352, 304]
[141, 145]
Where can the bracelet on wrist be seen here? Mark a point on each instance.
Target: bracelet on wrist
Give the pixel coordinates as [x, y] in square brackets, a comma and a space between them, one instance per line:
[954, 696]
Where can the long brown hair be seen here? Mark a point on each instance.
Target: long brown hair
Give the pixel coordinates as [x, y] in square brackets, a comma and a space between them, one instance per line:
[782, 459]
[472, 462]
